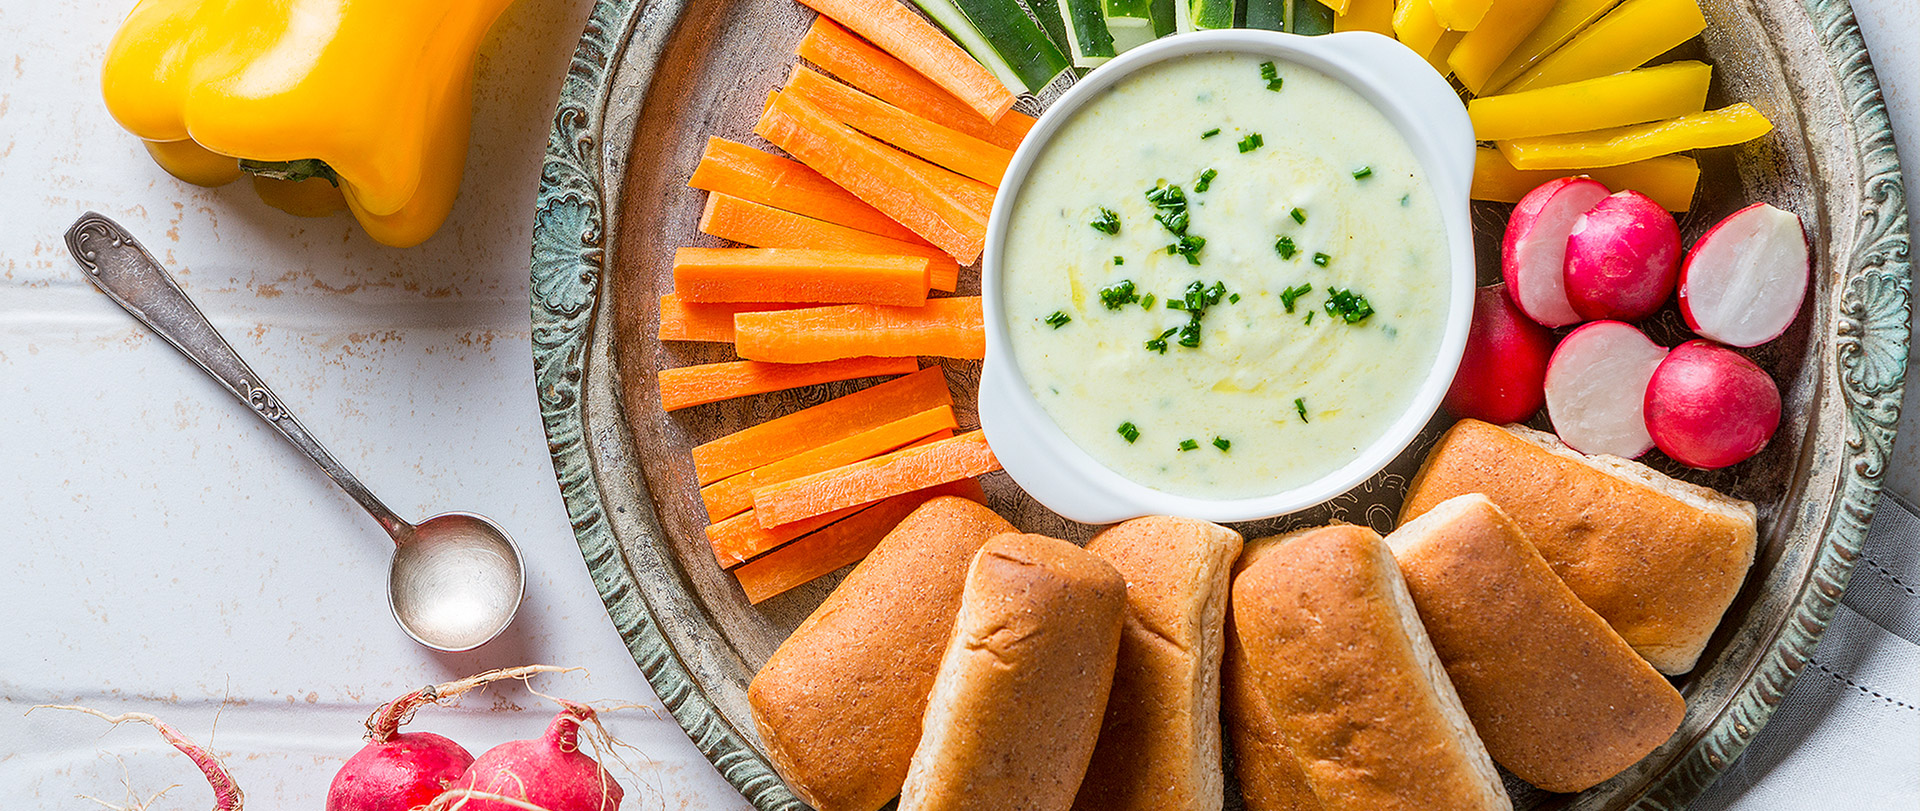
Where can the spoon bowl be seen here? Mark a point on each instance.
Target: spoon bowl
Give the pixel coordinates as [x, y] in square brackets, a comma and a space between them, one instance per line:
[455, 581]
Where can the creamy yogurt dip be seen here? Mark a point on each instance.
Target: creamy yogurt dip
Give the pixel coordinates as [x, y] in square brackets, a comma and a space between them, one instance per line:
[1225, 276]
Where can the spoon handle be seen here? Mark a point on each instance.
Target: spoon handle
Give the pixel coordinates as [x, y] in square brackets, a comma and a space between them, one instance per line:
[123, 270]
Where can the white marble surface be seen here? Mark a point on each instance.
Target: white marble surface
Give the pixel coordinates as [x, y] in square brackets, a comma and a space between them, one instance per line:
[165, 552]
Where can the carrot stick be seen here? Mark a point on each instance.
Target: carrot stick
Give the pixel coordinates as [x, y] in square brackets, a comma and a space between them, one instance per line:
[943, 327]
[741, 537]
[830, 421]
[941, 145]
[896, 183]
[859, 64]
[750, 174]
[902, 471]
[734, 494]
[713, 382]
[685, 321]
[706, 275]
[908, 36]
[750, 223]
[839, 544]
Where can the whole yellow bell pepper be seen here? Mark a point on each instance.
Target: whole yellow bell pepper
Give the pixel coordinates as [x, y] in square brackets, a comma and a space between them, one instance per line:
[362, 104]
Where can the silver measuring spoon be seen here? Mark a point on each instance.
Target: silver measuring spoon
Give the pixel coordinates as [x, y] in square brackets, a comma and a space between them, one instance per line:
[455, 580]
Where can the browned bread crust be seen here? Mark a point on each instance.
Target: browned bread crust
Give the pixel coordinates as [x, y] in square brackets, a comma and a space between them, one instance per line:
[1016, 706]
[839, 703]
[1559, 698]
[1270, 775]
[1658, 558]
[1159, 747]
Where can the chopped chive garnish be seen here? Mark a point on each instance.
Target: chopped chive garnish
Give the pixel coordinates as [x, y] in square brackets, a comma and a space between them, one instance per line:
[1188, 444]
[1309, 321]
[1285, 246]
[1252, 142]
[1210, 133]
[1298, 214]
[1119, 260]
[1293, 294]
[1347, 305]
[1171, 203]
[1271, 74]
[1058, 319]
[1107, 223]
[1176, 304]
[1233, 299]
[1406, 200]
[1321, 259]
[1129, 432]
[1190, 331]
[1222, 444]
[1147, 303]
[1206, 179]
[1119, 294]
[1300, 407]
[1189, 246]
[1158, 343]
[1363, 173]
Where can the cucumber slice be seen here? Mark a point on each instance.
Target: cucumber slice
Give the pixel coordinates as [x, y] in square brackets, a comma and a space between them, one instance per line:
[1089, 41]
[1048, 14]
[1005, 40]
[1267, 14]
[1205, 15]
[1129, 22]
[1162, 13]
[1310, 18]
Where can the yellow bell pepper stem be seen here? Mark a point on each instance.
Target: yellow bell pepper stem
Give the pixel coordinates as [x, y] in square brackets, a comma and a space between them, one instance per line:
[1668, 179]
[377, 91]
[1726, 126]
[1626, 38]
[1564, 20]
[1367, 15]
[1637, 96]
[192, 163]
[1482, 50]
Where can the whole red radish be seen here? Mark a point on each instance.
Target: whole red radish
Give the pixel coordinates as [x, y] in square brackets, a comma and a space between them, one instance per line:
[1534, 254]
[549, 772]
[226, 793]
[1597, 388]
[1622, 258]
[1503, 373]
[397, 771]
[1708, 407]
[1744, 280]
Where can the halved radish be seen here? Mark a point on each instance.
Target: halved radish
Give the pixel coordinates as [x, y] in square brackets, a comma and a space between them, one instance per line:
[1502, 372]
[1709, 407]
[1622, 257]
[1533, 256]
[1597, 388]
[1744, 281]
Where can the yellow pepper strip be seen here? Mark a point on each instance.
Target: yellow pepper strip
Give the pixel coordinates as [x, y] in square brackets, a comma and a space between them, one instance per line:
[1630, 35]
[1441, 49]
[1483, 49]
[1416, 27]
[1460, 15]
[1564, 20]
[1366, 15]
[1637, 96]
[1338, 7]
[1726, 126]
[1668, 179]
[380, 93]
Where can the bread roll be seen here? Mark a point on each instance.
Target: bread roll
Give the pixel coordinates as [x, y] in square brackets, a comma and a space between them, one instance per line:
[1270, 775]
[1021, 689]
[1659, 559]
[1559, 698]
[1159, 747]
[1333, 642]
[838, 706]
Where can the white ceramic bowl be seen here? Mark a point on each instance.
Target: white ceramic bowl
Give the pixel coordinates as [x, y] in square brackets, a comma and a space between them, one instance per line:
[1048, 465]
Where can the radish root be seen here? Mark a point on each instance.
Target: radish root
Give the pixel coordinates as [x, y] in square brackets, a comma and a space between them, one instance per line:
[385, 721]
[226, 793]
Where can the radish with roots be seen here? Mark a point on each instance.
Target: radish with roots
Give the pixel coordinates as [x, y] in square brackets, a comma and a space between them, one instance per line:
[1503, 372]
[1596, 388]
[548, 773]
[1623, 256]
[1746, 277]
[226, 793]
[1709, 407]
[1533, 255]
[397, 770]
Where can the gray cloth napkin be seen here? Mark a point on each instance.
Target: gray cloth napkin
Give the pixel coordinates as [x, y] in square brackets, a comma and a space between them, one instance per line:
[1848, 734]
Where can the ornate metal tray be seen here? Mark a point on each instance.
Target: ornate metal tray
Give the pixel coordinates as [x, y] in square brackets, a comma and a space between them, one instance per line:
[651, 80]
